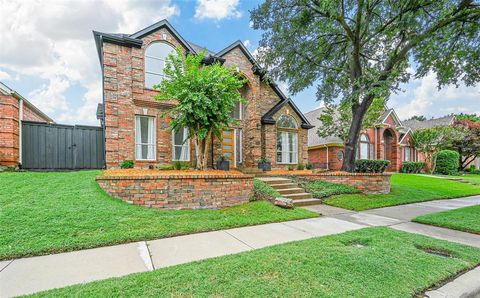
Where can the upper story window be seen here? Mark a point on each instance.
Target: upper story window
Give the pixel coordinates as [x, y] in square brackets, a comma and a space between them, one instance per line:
[237, 111]
[155, 59]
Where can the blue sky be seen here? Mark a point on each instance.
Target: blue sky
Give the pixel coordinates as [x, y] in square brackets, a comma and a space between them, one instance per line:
[47, 52]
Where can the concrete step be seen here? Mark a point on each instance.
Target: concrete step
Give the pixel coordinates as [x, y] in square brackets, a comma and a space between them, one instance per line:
[274, 180]
[284, 186]
[306, 202]
[298, 196]
[286, 191]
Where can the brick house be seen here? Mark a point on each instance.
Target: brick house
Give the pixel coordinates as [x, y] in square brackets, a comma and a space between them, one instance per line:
[389, 139]
[270, 123]
[14, 109]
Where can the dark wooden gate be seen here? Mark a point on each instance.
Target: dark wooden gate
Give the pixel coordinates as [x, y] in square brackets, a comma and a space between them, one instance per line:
[61, 147]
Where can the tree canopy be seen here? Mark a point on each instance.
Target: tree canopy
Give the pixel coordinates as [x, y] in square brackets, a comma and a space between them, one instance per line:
[356, 51]
[206, 96]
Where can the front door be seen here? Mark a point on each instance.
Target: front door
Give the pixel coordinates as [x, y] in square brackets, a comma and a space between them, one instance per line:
[228, 146]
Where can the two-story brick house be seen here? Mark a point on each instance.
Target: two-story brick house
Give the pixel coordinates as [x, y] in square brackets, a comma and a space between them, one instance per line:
[270, 123]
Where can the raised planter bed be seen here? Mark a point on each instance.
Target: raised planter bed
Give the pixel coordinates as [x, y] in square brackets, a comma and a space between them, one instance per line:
[369, 183]
[178, 189]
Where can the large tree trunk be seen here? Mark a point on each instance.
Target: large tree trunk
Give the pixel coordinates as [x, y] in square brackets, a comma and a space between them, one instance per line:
[352, 139]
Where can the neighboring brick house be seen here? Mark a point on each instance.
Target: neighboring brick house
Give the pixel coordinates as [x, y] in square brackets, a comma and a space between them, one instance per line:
[390, 139]
[270, 123]
[14, 108]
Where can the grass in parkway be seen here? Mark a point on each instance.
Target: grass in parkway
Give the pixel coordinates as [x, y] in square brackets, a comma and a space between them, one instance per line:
[464, 219]
[42, 213]
[406, 189]
[372, 262]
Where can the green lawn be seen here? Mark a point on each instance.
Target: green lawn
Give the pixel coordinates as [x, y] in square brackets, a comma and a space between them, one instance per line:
[464, 219]
[372, 262]
[406, 188]
[43, 213]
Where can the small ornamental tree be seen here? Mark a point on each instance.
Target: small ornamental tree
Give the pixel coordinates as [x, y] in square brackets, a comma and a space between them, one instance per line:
[468, 147]
[206, 96]
[430, 141]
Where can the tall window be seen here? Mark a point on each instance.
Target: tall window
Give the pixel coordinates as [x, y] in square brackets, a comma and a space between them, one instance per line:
[287, 140]
[409, 152]
[237, 111]
[144, 138]
[364, 147]
[155, 59]
[181, 145]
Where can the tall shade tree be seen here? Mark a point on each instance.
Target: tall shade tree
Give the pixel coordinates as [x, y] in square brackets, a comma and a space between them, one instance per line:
[360, 50]
[205, 95]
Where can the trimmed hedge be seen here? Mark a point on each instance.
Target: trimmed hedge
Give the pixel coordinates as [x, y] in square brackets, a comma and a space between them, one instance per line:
[127, 164]
[263, 191]
[447, 162]
[371, 166]
[413, 166]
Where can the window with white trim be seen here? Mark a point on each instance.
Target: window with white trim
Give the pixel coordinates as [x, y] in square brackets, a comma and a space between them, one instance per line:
[155, 60]
[287, 140]
[181, 145]
[364, 147]
[145, 148]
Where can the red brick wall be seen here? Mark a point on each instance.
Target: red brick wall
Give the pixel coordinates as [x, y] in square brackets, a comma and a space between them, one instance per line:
[10, 128]
[180, 192]
[9, 131]
[318, 157]
[367, 182]
[126, 96]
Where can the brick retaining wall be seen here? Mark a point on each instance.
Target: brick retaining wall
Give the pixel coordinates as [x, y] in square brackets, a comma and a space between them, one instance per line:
[180, 191]
[369, 183]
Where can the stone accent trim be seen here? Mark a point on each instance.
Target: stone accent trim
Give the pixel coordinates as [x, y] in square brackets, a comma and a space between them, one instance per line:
[211, 191]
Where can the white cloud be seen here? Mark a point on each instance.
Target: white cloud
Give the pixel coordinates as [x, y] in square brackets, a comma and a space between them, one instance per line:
[247, 43]
[423, 98]
[52, 40]
[217, 9]
[4, 76]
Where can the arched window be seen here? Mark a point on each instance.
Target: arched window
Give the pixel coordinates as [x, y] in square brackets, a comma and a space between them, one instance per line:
[287, 140]
[364, 147]
[286, 121]
[155, 58]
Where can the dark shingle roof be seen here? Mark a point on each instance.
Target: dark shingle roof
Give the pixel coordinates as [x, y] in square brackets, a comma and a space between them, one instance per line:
[198, 49]
[416, 124]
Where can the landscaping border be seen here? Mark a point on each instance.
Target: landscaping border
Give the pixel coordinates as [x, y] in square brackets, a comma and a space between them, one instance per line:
[369, 183]
[190, 191]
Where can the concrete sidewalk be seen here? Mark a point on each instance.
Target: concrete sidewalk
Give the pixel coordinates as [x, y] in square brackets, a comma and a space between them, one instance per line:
[29, 275]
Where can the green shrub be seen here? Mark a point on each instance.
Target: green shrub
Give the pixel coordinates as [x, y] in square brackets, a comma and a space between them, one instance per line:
[127, 164]
[300, 167]
[371, 166]
[263, 191]
[309, 166]
[447, 162]
[181, 165]
[473, 170]
[321, 189]
[291, 167]
[166, 167]
[412, 166]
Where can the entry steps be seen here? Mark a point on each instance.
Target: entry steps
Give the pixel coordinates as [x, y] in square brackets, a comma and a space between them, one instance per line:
[290, 190]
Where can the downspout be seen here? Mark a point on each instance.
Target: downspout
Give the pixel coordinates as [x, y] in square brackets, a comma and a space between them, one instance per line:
[20, 119]
[328, 161]
[104, 116]
[375, 148]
